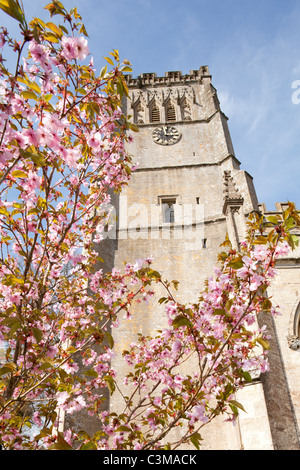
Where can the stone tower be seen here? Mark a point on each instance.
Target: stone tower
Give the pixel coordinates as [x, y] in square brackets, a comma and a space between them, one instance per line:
[187, 192]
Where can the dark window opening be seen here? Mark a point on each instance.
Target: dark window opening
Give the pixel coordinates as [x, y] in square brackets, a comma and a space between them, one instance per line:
[168, 210]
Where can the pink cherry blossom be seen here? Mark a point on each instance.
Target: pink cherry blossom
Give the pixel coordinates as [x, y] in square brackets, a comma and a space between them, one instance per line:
[31, 137]
[39, 52]
[74, 48]
[82, 48]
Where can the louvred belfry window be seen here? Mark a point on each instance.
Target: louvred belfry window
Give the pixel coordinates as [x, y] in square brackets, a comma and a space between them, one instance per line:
[155, 115]
[171, 114]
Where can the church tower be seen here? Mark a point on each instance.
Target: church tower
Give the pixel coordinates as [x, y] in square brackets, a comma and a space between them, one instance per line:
[186, 194]
[188, 190]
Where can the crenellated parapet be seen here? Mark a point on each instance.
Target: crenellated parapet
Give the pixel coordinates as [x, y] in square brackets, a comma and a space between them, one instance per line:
[172, 97]
[279, 208]
[170, 78]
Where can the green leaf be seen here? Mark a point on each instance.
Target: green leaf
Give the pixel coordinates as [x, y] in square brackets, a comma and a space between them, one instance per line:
[37, 159]
[64, 247]
[88, 446]
[81, 90]
[19, 174]
[264, 343]
[273, 219]
[91, 373]
[100, 306]
[181, 320]
[13, 323]
[110, 339]
[109, 60]
[54, 29]
[247, 376]
[103, 71]
[237, 404]
[219, 311]
[290, 222]
[83, 30]
[123, 429]
[11, 280]
[133, 127]
[125, 68]
[44, 433]
[59, 4]
[266, 304]
[260, 240]
[9, 320]
[295, 239]
[47, 97]
[195, 438]
[40, 22]
[64, 29]
[229, 304]
[61, 444]
[153, 273]
[34, 86]
[110, 383]
[50, 37]
[4, 211]
[14, 327]
[8, 368]
[55, 8]
[12, 8]
[37, 333]
[236, 263]
[292, 240]
[28, 95]
[46, 365]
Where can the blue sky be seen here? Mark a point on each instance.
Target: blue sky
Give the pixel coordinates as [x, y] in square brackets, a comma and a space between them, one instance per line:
[253, 53]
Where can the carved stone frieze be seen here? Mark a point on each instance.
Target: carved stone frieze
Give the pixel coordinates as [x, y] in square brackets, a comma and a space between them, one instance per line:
[162, 96]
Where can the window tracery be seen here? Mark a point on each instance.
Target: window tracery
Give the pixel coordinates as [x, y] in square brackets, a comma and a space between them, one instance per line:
[186, 113]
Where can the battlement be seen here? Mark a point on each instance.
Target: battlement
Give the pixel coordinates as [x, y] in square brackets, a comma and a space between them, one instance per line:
[279, 208]
[176, 77]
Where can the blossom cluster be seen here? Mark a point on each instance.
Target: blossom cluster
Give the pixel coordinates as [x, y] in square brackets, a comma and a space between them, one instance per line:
[62, 153]
[208, 351]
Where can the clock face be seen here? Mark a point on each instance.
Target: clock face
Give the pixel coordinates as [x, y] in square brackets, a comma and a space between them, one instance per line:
[166, 135]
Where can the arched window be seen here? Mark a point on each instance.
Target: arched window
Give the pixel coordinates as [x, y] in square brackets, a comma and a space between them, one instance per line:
[170, 112]
[169, 213]
[168, 210]
[154, 113]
